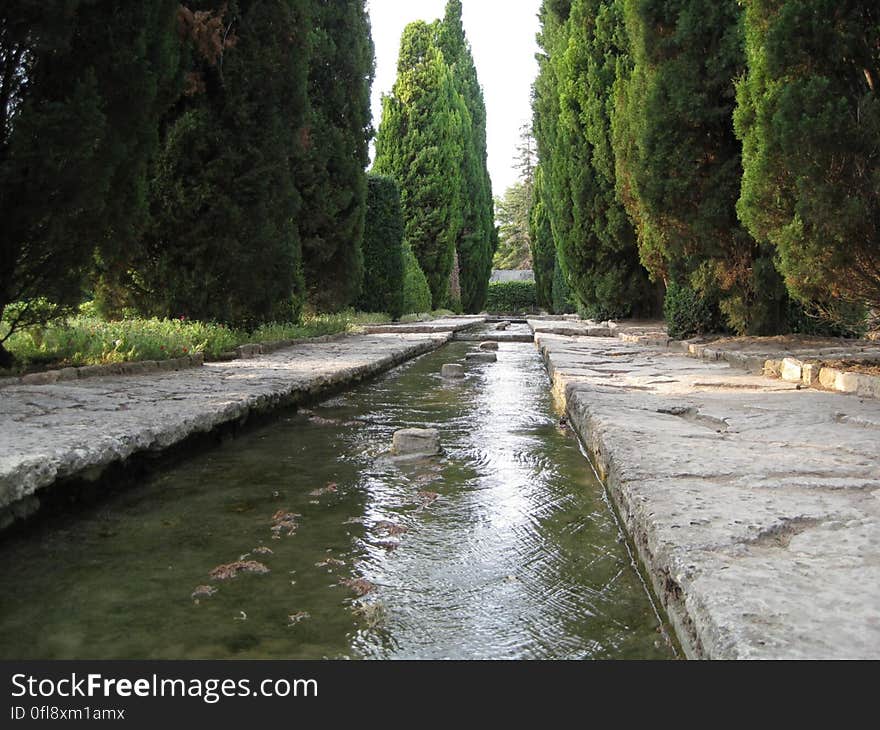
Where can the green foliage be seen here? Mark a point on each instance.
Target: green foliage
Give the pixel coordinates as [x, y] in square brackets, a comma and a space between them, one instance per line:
[223, 243]
[420, 145]
[331, 177]
[584, 52]
[808, 116]
[88, 340]
[475, 240]
[543, 246]
[416, 291]
[81, 91]
[511, 297]
[689, 312]
[678, 161]
[514, 243]
[383, 249]
[561, 296]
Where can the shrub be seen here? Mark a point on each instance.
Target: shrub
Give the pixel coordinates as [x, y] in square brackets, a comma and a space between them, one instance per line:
[690, 312]
[383, 249]
[416, 292]
[512, 297]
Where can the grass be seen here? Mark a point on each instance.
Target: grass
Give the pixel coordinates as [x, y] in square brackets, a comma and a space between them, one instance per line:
[88, 340]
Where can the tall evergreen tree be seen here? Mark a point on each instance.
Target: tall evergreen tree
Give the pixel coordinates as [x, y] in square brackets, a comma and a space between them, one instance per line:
[600, 251]
[419, 144]
[809, 118]
[679, 163]
[543, 246]
[475, 238]
[223, 243]
[332, 180]
[81, 91]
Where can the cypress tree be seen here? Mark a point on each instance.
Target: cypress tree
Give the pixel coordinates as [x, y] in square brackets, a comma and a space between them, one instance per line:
[474, 243]
[809, 118]
[383, 249]
[331, 179]
[679, 163]
[81, 92]
[419, 144]
[223, 242]
[543, 247]
[600, 251]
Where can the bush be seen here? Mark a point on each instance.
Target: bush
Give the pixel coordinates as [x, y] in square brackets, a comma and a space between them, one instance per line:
[88, 340]
[690, 312]
[383, 249]
[416, 292]
[512, 297]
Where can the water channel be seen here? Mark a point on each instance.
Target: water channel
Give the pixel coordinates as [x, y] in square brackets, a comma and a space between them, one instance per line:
[503, 547]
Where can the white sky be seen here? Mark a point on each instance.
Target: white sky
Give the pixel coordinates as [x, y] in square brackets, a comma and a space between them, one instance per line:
[502, 38]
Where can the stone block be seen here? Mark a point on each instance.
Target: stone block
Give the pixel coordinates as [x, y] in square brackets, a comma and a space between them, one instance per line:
[810, 374]
[248, 352]
[68, 374]
[868, 386]
[792, 370]
[416, 442]
[846, 382]
[481, 357]
[772, 368]
[452, 370]
[828, 377]
[50, 376]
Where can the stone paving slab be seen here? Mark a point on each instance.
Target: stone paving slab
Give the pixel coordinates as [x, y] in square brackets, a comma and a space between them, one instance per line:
[69, 429]
[434, 326]
[754, 503]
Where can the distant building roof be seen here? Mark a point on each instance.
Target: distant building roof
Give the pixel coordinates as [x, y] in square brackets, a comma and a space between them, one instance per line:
[504, 275]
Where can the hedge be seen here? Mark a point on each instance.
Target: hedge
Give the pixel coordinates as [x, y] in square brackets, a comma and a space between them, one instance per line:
[383, 249]
[512, 297]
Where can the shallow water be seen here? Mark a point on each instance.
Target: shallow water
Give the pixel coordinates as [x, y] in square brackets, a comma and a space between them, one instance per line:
[503, 547]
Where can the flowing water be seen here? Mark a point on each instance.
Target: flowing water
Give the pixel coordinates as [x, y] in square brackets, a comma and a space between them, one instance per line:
[502, 547]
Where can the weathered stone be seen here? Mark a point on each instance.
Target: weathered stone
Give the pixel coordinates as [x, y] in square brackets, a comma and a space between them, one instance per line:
[846, 382]
[248, 352]
[416, 442]
[489, 345]
[501, 326]
[792, 370]
[77, 428]
[452, 370]
[828, 377]
[745, 497]
[435, 326]
[772, 368]
[68, 374]
[810, 374]
[481, 357]
[50, 376]
[90, 371]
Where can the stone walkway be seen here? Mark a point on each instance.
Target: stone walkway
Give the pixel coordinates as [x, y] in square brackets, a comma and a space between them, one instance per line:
[754, 503]
[77, 428]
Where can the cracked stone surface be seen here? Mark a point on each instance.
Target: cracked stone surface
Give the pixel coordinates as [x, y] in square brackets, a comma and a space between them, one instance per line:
[54, 431]
[754, 503]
